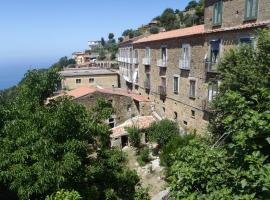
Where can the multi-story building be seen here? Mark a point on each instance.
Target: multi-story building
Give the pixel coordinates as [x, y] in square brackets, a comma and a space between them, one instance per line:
[177, 69]
[81, 58]
[128, 64]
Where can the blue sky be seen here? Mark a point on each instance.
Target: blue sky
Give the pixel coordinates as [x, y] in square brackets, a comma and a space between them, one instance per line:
[35, 33]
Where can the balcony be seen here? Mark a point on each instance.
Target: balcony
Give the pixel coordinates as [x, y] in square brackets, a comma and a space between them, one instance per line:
[162, 90]
[146, 61]
[162, 63]
[147, 84]
[184, 64]
[210, 67]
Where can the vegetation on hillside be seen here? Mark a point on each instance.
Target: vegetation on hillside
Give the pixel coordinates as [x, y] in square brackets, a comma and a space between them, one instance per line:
[171, 19]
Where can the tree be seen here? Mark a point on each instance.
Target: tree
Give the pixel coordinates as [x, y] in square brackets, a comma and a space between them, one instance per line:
[241, 109]
[66, 195]
[120, 39]
[168, 19]
[154, 30]
[103, 43]
[191, 5]
[134, 134]
[110, 36]
[102, 54]
[162, 131]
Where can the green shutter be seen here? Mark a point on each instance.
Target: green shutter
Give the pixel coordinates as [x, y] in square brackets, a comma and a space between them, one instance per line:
[217, 15]
[251, 9]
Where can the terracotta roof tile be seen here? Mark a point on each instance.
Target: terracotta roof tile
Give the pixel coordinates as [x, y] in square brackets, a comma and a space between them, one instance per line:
[194, 30]
[243, 26]
[82, 91]
[141, 122]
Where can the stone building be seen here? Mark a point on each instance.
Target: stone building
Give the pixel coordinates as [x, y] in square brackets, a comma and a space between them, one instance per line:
[75, 78]
[128, 109]
[177, 69]
[81, 58]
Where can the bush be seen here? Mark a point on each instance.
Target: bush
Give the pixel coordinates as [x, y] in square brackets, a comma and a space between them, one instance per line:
[66, 195]
[166, 156]
[162, 131]
[141, 194]
[154, 30]
[134, 136]
[143, 156]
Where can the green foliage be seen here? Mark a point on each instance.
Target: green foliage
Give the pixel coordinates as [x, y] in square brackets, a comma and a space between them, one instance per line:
[191, 5]
[143, 157]
[168, 19]
[103, 43]
[120, 39]
[236, 166]
[131, 33]
[203, 172]
[63, 62]
[37, 85]
[241, 110]
[162, 131]
[141, 194]
[111, 36]
[154, 30]
[134, 134]
[166, 155]
[109, 175]
[102, 54]
[64, 195]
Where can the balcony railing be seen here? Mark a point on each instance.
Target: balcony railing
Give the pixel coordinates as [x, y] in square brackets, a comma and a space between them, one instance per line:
[184, 64]
[162, 63]
[147, 84]
[162, 90]
[210, 66]
[146, 61]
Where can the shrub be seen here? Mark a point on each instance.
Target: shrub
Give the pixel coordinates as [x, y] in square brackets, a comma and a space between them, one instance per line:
[154, 30]
[134, 136]
[67, 195]
[144, 156]
[166, 156]
[162, 131]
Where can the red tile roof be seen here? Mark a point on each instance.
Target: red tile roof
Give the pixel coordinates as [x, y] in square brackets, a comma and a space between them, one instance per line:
[194, 30]
[82, 91]
[243, 26]
[141, 122]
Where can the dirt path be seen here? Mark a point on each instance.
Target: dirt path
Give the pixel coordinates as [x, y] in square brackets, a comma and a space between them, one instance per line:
[151, 180]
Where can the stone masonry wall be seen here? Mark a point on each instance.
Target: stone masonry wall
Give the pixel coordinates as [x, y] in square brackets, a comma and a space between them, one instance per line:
[233, 12]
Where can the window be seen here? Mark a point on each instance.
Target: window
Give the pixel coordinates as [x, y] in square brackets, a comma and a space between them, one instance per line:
[147, 52]
[175, 117]
[247, 40]
[212, 90]
[164, 53]
[176, 84]
[192, 88]
[78, 81]
[251, 9]
[136, 53]
[193, 113]
[185, 123]
[217, 13]
[111, 122]
[185, 56]
[91, 80]
[214, 51]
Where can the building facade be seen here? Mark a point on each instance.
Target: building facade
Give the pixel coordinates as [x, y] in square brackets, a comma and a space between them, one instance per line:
[86, 77]
[177, 69]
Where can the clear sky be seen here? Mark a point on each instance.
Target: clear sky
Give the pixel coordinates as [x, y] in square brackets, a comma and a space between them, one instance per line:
[35, 33]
